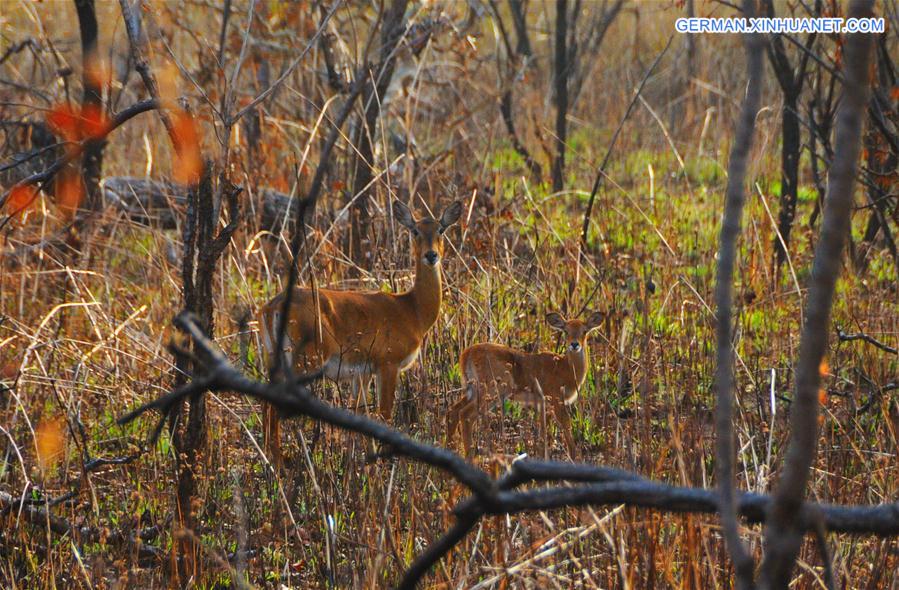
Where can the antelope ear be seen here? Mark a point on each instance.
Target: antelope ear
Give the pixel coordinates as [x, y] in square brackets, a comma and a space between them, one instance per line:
[595, 320]
[555, 320]
[450, 215]
[403, 216]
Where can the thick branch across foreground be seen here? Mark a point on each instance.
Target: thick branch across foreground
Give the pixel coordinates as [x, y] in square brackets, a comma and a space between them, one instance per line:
[594, 485]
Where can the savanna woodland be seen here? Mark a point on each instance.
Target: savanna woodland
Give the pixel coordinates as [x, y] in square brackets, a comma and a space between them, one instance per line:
[461, 294]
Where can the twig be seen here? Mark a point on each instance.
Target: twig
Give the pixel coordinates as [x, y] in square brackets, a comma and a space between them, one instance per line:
[137, 43]
[277, 83]
[876, 395]
[844, 337]
[42, 178]
[307, 207]
[820, 532]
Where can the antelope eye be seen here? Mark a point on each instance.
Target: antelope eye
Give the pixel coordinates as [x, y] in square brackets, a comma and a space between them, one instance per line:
[415, 232]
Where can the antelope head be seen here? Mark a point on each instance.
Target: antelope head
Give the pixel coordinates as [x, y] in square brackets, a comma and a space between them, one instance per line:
[427, 231]
[575, 330]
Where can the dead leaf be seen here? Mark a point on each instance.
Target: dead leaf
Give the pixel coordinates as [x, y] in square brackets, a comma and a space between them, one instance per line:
[189, 164]
[50, 441]
[20, 200]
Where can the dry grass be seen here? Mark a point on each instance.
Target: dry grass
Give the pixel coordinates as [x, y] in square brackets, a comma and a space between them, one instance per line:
[84, 339]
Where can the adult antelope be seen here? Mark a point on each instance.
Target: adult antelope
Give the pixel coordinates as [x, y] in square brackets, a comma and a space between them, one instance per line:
[354, 335]
[493, 372]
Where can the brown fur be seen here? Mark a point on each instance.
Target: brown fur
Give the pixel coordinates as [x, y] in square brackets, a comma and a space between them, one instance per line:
[492, 373]
[354, 335]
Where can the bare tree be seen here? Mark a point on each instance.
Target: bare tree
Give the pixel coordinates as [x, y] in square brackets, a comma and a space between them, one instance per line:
[882, 147]
[519, 20]
[562, 59]
[567, 77]
[515, 61]
[91, 101]
[791, 81]
[783, 532]
[393, 28]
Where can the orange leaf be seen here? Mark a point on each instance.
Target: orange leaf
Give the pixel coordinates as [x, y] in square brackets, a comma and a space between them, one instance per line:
[338, 185]
[823, 368]
[20, 199]
[822, 397]
[69, 191]
[50, 441]
[189, 165]
[94, 122]
[894, 92]
[884, 182]
[63, 121]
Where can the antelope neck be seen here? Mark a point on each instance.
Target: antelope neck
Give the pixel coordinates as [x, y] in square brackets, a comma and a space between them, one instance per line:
[578, 361]
[426, 293]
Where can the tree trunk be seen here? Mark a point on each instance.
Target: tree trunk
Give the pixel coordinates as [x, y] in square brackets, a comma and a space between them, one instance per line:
[877, 225]
[372, 95]
[91, 101]
[202, 249]
[505, 108]
[519, 19]
[789, 184]
[560, 93]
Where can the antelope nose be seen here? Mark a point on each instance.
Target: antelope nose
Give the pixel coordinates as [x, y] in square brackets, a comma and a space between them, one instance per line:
[432, 257]
[575, 346]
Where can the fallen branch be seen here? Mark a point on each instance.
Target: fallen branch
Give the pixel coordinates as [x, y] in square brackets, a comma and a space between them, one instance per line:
[599, 486]
[40, 179]
[156, 202]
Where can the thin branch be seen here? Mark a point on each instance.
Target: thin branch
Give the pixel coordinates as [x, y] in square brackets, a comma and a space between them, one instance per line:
[138, 45]
[307, 207]
[40, 179]
[601, 172]
[724, 376]
[277, 83]
[844, 337]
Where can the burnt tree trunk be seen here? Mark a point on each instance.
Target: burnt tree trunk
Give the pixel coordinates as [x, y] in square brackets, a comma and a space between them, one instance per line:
[505, 108]
[790, 79]
[560, 92]
[372, 95]
[514, 60]
[791, 143]
[91, 101]
[518, 8]
[567, 77]
[882, 148]
[202, 249]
